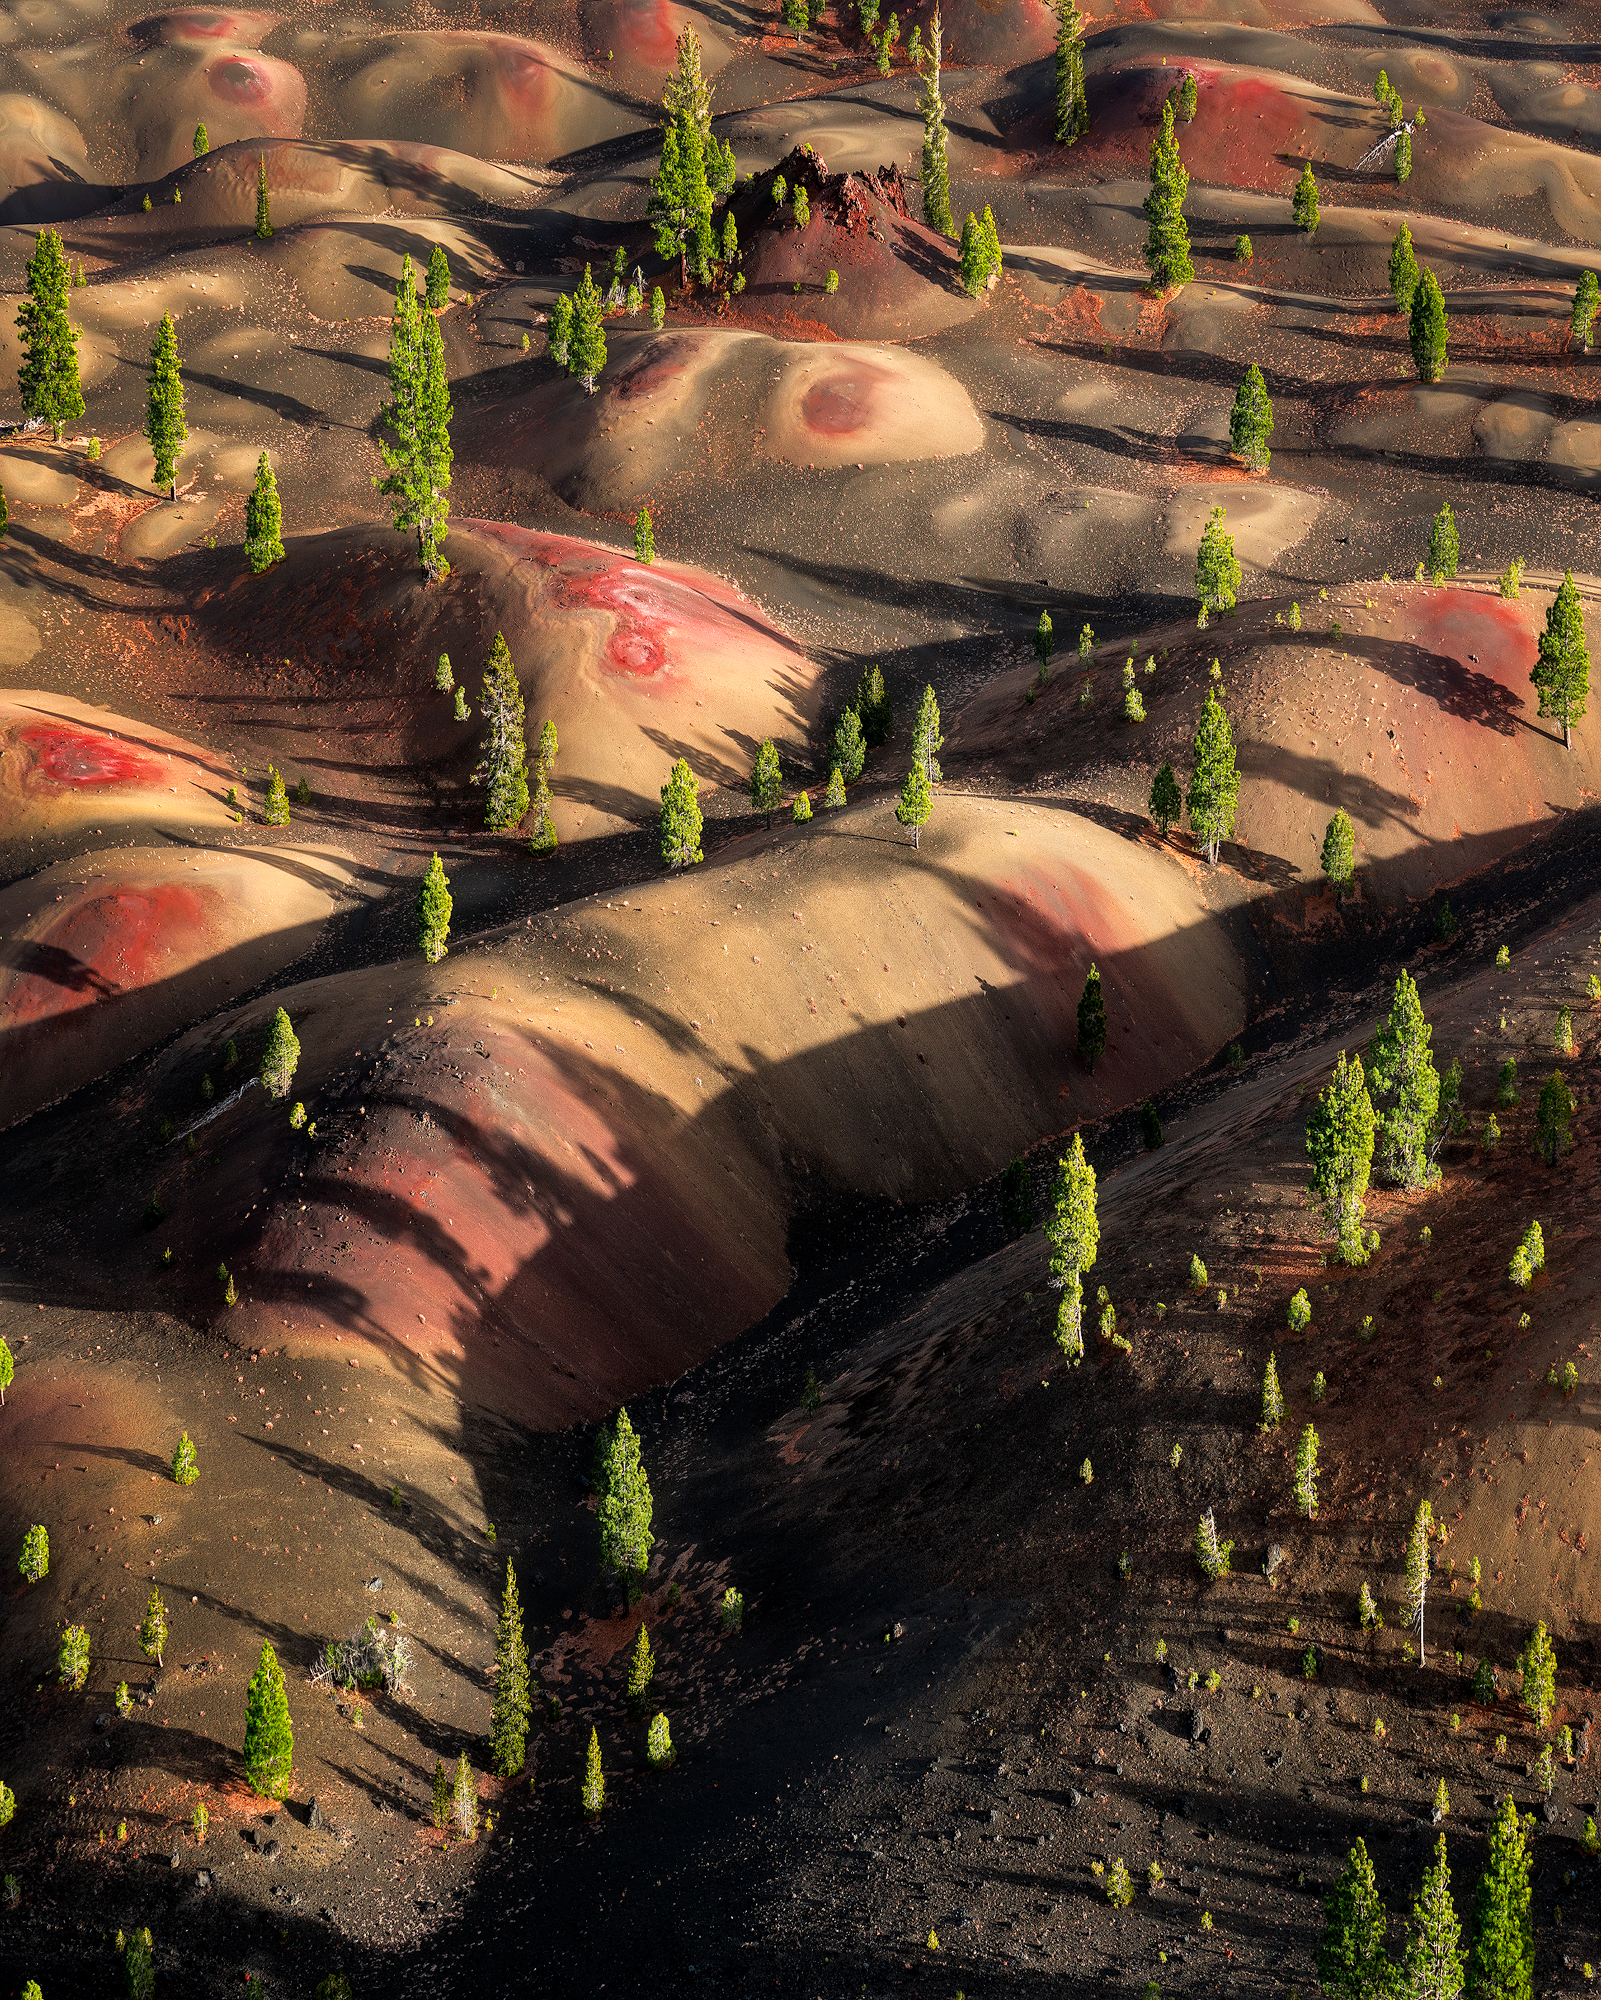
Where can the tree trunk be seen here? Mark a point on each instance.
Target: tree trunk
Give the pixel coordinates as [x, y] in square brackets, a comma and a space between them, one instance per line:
[1567, 736]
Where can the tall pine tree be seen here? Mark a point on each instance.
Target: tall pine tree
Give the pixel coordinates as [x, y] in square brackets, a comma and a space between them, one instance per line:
[263, 201]
[1074, 1235]
[766, 780]
[926, 58]
[164, 424]
[680, 207]
[624, 1506]
[681, 818]
[403, 454]
[586, 347]
[1431, 1968]
[1251, 421]
[1430, 328]
[1351, 1961]
[508, 1714]
[264, 520]
[1072, 106]
[926, 738]
[433, 912]
[1339, 1142]
[436, 294]
[1405, 1089]
[47, 377]
[1167, 240]
[1091, 1020]
[1562, 672]
[434, 413]
[1217, 568]
[915, 803]
[686, 90]
[1403, 269]
[1215, 787]
[269, 1738]
[503, 763]
[1501, 1956]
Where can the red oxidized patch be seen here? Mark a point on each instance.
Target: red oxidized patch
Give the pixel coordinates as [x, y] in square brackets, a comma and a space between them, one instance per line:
[77, 759]
[101, 948]
[841, 404]
[236, 81]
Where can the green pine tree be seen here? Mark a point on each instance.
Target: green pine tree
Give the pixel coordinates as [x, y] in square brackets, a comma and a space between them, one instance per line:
[973, 259]
[139, 1965]
[1339, 1141]
[593, 1792]
[464, 1799]
[202, 141]
[416, 447]
[729, 249]
[1189, 97]
[873, 707]
[1091, 1020]
[1430, 328]
[185, 1463]
[1501, 1955]
[926, 57]
[1537, 1664]
[1044, 645]
[8, 1369]
[644, 537]
[263, 202]
[658, 308]
[586, 351]
[1403, 269]
[47, 377]
[1431, 1968]
[916, 802]
[275, 807]
[280, 1057]
[849, 748]
[1272, 1397]
[1217, 568]
[1072, 106]
[433, 912]
[1303, 205]
[1351, 1961]
[153, 1628]
[269, 1738]
[264, 520]
[680, 205]
[927, 741]
[766, 780]
[441, 1797]
[681, 818]
[436, 295]
[1074, 1235]
[1166, 802]
[1215, 787]
[641, 1666]
[561, 329]
[1562, 671]
[1445, 549]
[508, 1714]
[1167, 241]
[1339, 852]
[1554, 1119]
[543, 838]
[688, 91]
[1251, 421]
[1586, 299]
[1404, 1088]
[1306, 1474]
[434, 414]
[503, 762]
[164, 424]
[834, 795]
[624, 1506]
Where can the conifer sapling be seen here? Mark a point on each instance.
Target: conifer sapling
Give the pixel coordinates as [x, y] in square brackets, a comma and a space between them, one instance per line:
[72, 1660]
[263, 201]
[1166, 802]
[593, 1792]
[1537, 1663]
[1339, 1141]
[681, 818]
[926, 57]
[644, 537]
[766, 780]
[641, 1666]
[624, 1507]
[202, 142]
[1351, 1960]
[7, 1371]
[1306, 1474]
[1429, 328]
[47, 378]
[165, 429]
[269, 1739]
[264, 520]
[185, 1464]
[1339, 852]
[834, 795]
[503, 763]
[927, 741]
[1418, 1564]
[1074, 1235]
[1554, 1119]
[441, 1796]
[849, 748]
[1562, 672]
[1251, 421]
[1405, 1089]
[433, 912]
[153, 1628]
[659, 1743]
[1215, 787]
[1272, 1397]
[1072, 107]
[1217, 569]
[508, 1714]
[1303, 205]
[1501, 1954]
[437, 292]
[1212, 1555]
[464, 1799]
[915, 803]
[1091, 1020]
[1167, 240]
[34, 1561]
[1586, 298]
[280, 1056]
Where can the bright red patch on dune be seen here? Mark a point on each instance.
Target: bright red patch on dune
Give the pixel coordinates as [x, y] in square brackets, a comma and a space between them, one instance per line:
[526, 81]
[649, 371]
[842, 403]
[78, 759]
[646, 30]
[236, 80]
[102, 947]
[1246, 132]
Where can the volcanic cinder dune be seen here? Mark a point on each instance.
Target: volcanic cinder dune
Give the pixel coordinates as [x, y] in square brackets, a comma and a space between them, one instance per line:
[908, 807]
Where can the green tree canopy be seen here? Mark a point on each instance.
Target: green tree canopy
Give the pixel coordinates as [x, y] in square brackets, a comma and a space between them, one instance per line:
[1074, 1234]
[916, 801]
[503, 761]
[164, 424]
[1404, 1088]
[766, 780]
[1562, 672]
[1072, 106]
[1351, 1961]
[437, 293]
[1501, 1955]
[264, 520]
[1303, 204]
[509, 1711]
[1217, 569]
[624, 1506]
[1251, 421]
[926, 57]
[681, 818]
[1430, 328]
[280, 1055]
[1339, 1140]
[1091, 1020]
[433, 912]
[1167, 239]
[1403, 269]
[269, 1738]
[47, 377]
[1339, 852]
[1215, 786]
[1166, 803]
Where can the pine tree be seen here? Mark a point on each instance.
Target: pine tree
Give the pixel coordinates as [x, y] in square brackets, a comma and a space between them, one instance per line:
[275, 806]
[1431, 1968]
[586, 351]
[624, 1507]
[1586, 299]
[185, 1463]
[1166, 802]
[269, 1738]
[138, 1964]
[593, 1793]
[1189, 97]
[641, 1666]
[434, 905]
[1272, 1397]
[1339, 1141]
[436, 294]
[644, 537]
[973, 257]
[834, 793]
[202, 143]
[1351, 1961]
[1303, 206]
[681, 818]
[8, 1369]
[264, 520]
[1562, 671]
[1044, 644]
[729, 249]
[766, 780]
[1074, 1235]
[1403, 269]
[464, 1799]
[1400, 1068]
[441, 1797]
[1211, 1554]
[164, 424]
[1537, 1664]
[503, 763]
[461, 711]
[1167, 241]
[916, 802]
[659, 1743]
[688, 92]
[263, 201]
[927, 742]
[658, 308]
[434, 414]
[1091, 1020]
[1418, 1566]
[1501, 1956]
[34, 1562]
[47, 378]
[1251, 421]
[1215, 786]
[1554, 1118]
[1217, 570]
[849, 748]
[561, 329]
[153, 1628]
[680, 206]
[1306, 1474]
[1445, 549]
[416, 451]
[936, 170]
[872, 705]
[1072, 106]
[1430, 328]
[280, 1056]
[508, 1714]
[1339, 852]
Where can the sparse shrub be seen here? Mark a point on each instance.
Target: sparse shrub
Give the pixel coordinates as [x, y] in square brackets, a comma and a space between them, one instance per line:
[592, 1794]
[185, 1463]
[1500, 1746]
[1086, 1473]
[1368, 1615]
[659, 1743]
[801, 811]
[1537, 1663]
[370, 1657]
[1309, 1664]
[464, 1799]
[72, 1659]
[1210, 1553]
[1272, 1398]
[8, 1812]
[732, 1612]
[1300, 1311]
[1197, 1274]
[199, 1820]
[1503, 957]
[1563, 1034]
[1175, 1455]
[1243, 252]
[1119, 1888]
[34, 1562]
[1319, 1386]
[1125, 1565]
[1511, 581]
[1507, 1084]
[1154, 1879]
[122, 1700]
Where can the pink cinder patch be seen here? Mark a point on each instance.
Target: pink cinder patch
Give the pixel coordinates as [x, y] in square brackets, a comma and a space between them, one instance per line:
[527, 84]
[204, 27]
[647, 29]
[839, 405]
[235, 80]
[78, 760]
[649, 372]
[101, 948]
